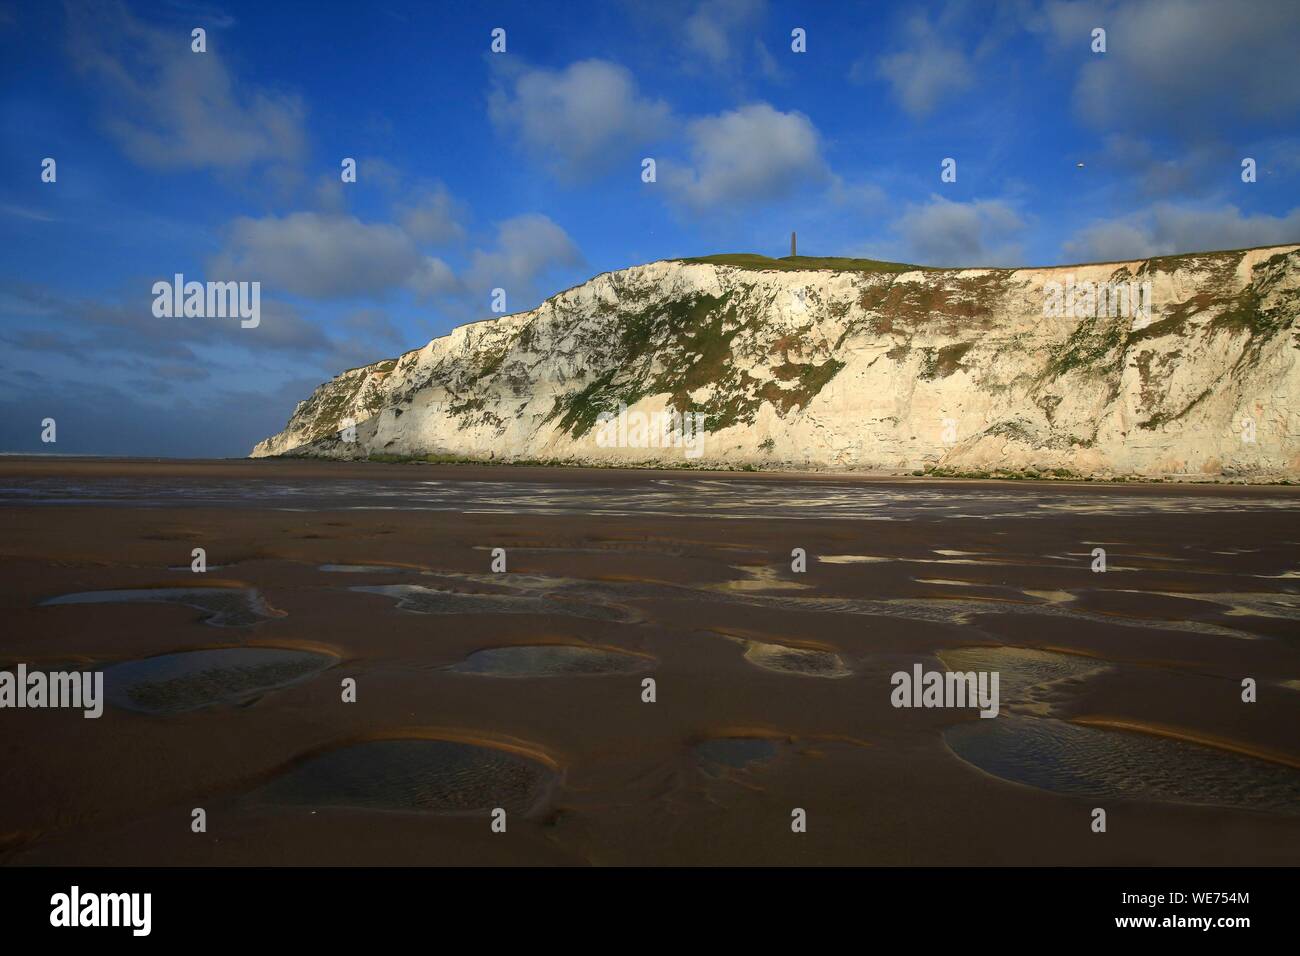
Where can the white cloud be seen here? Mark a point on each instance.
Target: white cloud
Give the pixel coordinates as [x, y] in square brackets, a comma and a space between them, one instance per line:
[432, 217]
[101, 327]
[579, 120]
[334, 256]
[1187, 66]
[169, 108]
[527, 247]
[710, 28]
[752, 153]
[433, 278]
[981, 232]
[1168, 229]
[316, 255]
[925, 70]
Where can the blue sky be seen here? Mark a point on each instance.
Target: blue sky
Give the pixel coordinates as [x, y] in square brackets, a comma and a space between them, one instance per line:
[522, 170]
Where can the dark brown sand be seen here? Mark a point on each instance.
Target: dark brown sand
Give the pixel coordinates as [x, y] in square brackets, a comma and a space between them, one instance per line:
[1201, 592]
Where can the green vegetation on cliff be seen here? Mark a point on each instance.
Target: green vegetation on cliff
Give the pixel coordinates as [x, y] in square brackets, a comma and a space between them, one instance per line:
[749, 260]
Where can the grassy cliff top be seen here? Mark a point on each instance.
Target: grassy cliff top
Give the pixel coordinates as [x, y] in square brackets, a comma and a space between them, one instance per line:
[757, 263]
[749, 260]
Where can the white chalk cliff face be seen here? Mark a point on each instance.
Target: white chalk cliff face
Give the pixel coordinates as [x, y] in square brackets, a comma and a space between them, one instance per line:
[866, 367]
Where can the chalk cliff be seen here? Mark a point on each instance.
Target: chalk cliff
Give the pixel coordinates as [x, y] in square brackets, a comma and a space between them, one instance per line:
[857, 365]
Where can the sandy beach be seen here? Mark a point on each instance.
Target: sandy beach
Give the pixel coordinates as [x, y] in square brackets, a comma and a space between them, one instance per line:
[524, 689]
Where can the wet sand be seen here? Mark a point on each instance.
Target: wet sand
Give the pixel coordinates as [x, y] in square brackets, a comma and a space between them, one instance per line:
[773, 687]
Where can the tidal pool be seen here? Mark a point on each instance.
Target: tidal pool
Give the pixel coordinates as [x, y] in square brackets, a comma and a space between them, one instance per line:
[1029, 680]
[1026, 745]
[222, 607]
[800, 661]
[419, 775]
[422, 600]
[1055, 755]
[551, 660]
[189, 680]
